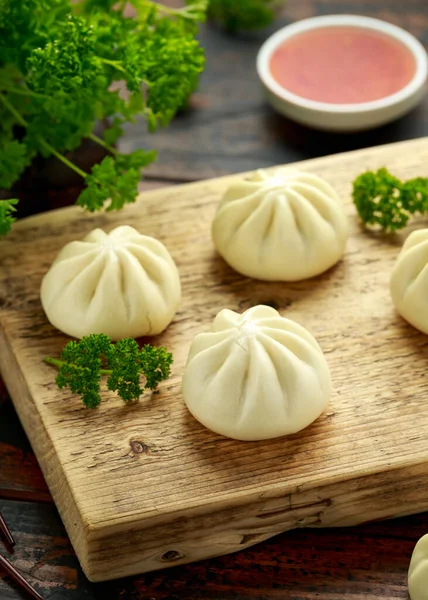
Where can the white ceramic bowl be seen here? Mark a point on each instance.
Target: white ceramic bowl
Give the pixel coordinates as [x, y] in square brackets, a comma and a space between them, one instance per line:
[343, 117]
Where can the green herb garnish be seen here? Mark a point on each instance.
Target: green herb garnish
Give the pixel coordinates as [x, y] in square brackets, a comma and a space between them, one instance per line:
[384, 201]
[82, 364]
[61, 66]
[7, 208]
[237, 15]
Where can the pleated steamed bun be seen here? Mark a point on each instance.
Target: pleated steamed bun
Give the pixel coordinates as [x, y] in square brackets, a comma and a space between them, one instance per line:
[282, 227]
[255, 376]
[418, 571]
[121, 283]
[409, 281]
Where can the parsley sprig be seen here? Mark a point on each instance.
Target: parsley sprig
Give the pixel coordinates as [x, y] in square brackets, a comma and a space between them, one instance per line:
[61, 67]
[386, 202]
[83, 363]
[237, 15]
[7, 208]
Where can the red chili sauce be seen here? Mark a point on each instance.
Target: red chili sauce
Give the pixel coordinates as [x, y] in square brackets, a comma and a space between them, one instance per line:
[342, 65]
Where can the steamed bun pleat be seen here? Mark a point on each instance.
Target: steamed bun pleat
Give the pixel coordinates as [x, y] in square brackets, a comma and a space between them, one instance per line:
[418, 571]
[255, 376]
[123, 284]
[106, 291]
[409, 280]
[282, 227]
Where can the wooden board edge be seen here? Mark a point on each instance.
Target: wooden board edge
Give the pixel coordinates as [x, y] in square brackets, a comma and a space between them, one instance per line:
[213, 529]
[193, 537]
[70, 211]
[203, 519]
[42, 446]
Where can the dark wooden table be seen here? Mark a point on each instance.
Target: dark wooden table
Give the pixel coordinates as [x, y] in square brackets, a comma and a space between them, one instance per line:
[229, 128]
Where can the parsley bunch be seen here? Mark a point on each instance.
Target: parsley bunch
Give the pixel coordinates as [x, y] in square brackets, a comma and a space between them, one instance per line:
[62, 65]
[237, 15]
[83, 363]
[386, 202]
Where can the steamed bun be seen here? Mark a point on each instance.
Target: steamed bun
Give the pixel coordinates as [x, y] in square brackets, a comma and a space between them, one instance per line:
[121, 283]
[418, 571]
[282, 227]
[255, 376]
[409, 280]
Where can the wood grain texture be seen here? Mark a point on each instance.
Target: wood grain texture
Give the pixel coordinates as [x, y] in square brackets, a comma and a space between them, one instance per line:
[144, 487]
[43, 553]
[368, 562]
[20, 476]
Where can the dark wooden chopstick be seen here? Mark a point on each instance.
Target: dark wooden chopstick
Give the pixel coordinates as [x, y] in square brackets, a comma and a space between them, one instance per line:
[6, 531]
[18, 578]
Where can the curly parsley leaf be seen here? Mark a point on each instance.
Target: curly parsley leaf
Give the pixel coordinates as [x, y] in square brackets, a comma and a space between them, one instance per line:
[155, 364]
[237, 15]
[68, 64]
[27, 24]
[114, 132]
[115, 179]
[14, 157]
[82, 364]
[135, 160]
[7, 208]
[89, 6]
[80, 368]
[123, 360]
[386, 202]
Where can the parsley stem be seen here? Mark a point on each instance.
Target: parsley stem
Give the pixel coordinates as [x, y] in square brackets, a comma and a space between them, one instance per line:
[62, 158]
[185, 11]
[102, 143]
[113, 63]
[56, 362]
[13, 110]
[23, 92]
[43, 142]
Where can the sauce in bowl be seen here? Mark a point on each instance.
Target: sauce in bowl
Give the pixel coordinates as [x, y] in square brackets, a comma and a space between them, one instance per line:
[342, 65]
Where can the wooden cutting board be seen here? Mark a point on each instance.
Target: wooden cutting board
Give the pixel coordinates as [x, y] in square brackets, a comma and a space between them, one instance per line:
[145, 486]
